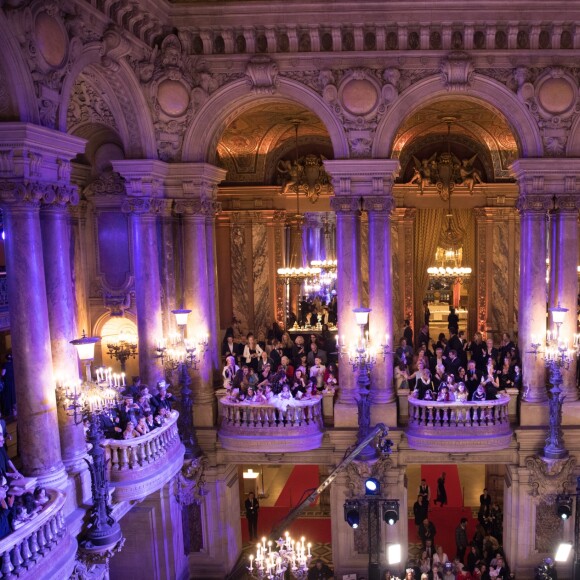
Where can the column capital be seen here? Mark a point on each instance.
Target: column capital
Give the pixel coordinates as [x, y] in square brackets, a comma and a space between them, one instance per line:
[345, 204]
[144, 206]
[31, 193]
[197, 207]
[379, 204]
[531, 203]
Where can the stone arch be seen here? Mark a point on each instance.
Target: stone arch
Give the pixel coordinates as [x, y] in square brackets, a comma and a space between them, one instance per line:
[126, 97]
[200, 140]
[483, 90]
[19, 86]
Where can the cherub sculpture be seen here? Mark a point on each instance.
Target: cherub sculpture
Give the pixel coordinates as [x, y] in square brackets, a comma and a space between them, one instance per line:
[423, 172]
[469, 175]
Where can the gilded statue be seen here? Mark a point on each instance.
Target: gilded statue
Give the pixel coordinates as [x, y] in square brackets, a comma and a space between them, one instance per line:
[469, 174]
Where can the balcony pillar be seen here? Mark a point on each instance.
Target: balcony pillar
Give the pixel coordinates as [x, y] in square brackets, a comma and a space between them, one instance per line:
[144, 204]
[532, 320]
[372, 181]
[564, 277]
[543, 183]
[56, 237]
[37, 170]
[198, 207]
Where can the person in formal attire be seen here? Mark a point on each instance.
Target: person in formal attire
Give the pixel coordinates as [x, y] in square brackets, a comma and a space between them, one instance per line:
[419, 511]
[408, 332]
[427, 533]
[425, 492]
[478, 350]
[252, 352]
[230, 347]
[229, 371]
[426, 313]
[441, 491]
[315, 353]
[423, 338]
[461, 539]
[252, 506]
[485, 500]
[452, 319]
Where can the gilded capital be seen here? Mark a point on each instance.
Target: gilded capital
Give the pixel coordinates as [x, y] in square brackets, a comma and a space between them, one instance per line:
[379, 204]
[345, 205]
[534, 203]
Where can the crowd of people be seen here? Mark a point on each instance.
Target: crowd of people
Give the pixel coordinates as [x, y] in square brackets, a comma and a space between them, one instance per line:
[139, 413]
[456, 370]
[480, 557]
[282, 369]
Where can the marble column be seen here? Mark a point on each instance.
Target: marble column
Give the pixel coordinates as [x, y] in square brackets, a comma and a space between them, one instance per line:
[43, 157]
[143, 213]
[56, 238]
[564, 278]
[213, 208]
[31, 346]
[348, 283]
[532, 300]
[196, 293]
[145, 184]
[381, 294]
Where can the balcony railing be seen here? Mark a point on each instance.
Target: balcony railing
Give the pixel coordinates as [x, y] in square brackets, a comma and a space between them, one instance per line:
[472, 426]
[42, 548]
[140, 466]
[295, 426]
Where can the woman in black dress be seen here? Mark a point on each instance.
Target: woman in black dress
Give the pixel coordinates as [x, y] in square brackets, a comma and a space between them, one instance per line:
[441, 491]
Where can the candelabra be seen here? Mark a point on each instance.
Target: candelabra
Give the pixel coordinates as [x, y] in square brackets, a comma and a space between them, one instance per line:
[362, 356]
[289, 555]
[180, 356]
[176, 351]
[87, 402]
[123, 348]
[557, 356]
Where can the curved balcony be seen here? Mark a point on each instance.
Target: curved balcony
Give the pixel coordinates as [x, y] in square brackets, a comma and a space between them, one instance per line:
[295, 426]
[473, 426]
[140, 466]
[42, 548]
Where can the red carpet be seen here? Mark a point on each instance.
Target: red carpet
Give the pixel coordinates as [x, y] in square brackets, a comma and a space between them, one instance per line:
[452, 484]
[446, 518]
[314, 529]
[303, 477]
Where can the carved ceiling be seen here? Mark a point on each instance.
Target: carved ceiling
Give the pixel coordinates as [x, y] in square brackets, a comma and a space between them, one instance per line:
[254, 142]
[474, 129]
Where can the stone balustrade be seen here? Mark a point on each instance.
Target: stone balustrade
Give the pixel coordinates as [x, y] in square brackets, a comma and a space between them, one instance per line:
[42, 548]
[455, 426]
[141, 465]
[282, 427]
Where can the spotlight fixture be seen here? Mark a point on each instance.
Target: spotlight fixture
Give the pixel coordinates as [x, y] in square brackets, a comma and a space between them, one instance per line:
[564, 509]
[372, 486]
[352, 514]
[563, 552]
[391, 511]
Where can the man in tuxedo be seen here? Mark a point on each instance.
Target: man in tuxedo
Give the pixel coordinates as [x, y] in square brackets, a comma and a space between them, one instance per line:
[252, 506]
[427, 533]
[452, 364]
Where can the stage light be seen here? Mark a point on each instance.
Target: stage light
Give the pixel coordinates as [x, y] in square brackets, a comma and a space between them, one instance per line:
[563, 552]
[391, 511]
[372, 486]
[352, 514]
[394, 554]
[564, 509]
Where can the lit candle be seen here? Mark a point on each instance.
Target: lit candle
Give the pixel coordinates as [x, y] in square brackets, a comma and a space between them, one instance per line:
[251, 562]
[269, 547]
[123, 379]
[264, 543]
[309, 546]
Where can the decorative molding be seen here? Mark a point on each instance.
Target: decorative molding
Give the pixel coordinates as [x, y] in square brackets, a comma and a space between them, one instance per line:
[379, 204]
[143, 205]
[457, 71]
[190, 481]
[107, 184]
[358, 472]
[548, 478]
[262, 74]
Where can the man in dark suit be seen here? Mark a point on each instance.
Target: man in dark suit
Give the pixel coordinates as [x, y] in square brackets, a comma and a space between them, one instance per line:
[452, 364]
[252, 506]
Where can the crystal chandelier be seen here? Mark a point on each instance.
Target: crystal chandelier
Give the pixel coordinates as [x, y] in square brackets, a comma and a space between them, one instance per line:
[288, 554]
